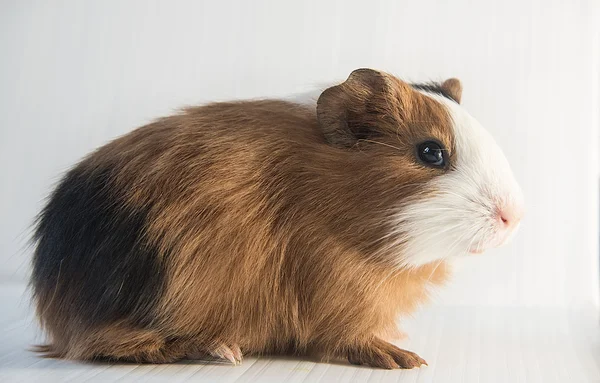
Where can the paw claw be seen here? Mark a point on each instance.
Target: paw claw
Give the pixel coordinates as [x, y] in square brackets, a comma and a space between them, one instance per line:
[237, 353]
[233, 354]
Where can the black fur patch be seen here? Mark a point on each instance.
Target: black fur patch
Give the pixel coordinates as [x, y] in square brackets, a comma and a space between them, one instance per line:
[91, 258]
[433, 87]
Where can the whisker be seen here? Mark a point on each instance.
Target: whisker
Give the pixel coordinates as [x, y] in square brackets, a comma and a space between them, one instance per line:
[392, 146]
[381, 143]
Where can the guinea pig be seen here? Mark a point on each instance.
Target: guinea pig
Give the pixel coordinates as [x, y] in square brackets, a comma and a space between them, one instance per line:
[267, 227]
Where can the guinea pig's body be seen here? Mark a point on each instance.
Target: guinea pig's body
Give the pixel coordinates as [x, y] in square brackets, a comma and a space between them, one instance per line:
[247, 227]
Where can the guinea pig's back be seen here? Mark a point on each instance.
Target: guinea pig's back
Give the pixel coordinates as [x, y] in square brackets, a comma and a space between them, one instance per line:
[121, 230]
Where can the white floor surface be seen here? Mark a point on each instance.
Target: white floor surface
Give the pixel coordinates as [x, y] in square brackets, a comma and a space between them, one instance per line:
[461, 344]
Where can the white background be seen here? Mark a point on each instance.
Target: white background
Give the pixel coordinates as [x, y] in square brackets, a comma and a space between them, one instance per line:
[74, 74]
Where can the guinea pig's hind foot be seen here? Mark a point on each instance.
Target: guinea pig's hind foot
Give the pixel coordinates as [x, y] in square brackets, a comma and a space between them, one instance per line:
[379, 353]
[232, 354]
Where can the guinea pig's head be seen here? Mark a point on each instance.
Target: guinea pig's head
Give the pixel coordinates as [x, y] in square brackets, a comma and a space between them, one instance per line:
[450, 186]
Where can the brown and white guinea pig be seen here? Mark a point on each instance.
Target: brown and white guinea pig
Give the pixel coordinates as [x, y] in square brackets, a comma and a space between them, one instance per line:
[260, 227]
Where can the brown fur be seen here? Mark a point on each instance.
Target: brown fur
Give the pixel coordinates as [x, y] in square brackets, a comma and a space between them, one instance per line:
[274, 218]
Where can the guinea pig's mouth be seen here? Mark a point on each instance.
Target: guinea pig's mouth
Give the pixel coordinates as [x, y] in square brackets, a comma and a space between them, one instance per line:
[476, 251]
[499, 239]
[494, 242]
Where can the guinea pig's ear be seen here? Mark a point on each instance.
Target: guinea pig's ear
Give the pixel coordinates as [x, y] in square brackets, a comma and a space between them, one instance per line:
[354, 109]
[453, 88]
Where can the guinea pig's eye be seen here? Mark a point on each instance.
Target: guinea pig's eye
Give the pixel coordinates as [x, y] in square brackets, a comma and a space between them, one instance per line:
[431, 153]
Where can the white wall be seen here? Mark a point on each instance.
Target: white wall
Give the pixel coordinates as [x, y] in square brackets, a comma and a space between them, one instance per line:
[74, 74]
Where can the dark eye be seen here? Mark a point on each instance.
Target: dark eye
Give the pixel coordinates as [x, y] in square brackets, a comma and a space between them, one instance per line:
[431, 153]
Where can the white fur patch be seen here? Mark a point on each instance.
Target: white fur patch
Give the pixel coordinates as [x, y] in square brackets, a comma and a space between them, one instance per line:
[461, 213]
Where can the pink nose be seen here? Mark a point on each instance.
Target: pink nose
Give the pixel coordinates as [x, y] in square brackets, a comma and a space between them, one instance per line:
[511, 215]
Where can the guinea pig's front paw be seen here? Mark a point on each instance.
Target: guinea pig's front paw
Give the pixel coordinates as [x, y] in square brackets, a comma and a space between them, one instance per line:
[379, 353]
